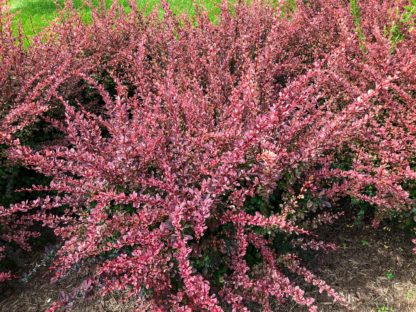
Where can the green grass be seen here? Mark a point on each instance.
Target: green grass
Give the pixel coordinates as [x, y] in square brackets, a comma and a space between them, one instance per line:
[36, 14]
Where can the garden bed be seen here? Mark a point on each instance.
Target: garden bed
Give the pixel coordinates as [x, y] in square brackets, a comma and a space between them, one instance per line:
[373, 269]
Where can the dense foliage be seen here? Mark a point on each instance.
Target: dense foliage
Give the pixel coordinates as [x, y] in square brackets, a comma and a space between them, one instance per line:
[190, 162]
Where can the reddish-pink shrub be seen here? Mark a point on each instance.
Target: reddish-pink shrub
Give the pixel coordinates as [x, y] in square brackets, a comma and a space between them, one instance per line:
[167, 130]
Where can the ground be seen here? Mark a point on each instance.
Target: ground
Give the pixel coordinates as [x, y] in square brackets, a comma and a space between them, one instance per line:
[36, 14]
[373, 269]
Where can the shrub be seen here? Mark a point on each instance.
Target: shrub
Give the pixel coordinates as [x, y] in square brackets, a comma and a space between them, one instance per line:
[190, 162]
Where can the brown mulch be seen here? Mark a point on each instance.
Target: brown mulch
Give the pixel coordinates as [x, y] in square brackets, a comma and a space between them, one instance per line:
[373, 269]
[38, 294]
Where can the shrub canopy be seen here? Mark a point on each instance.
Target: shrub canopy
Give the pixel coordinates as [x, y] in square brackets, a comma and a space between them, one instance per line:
[189, 162]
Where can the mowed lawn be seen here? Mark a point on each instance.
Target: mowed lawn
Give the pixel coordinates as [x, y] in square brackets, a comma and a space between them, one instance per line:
[36, 14]
[33, 15]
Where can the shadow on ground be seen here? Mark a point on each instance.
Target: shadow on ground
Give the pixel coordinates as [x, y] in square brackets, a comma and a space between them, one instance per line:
[373, 269]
